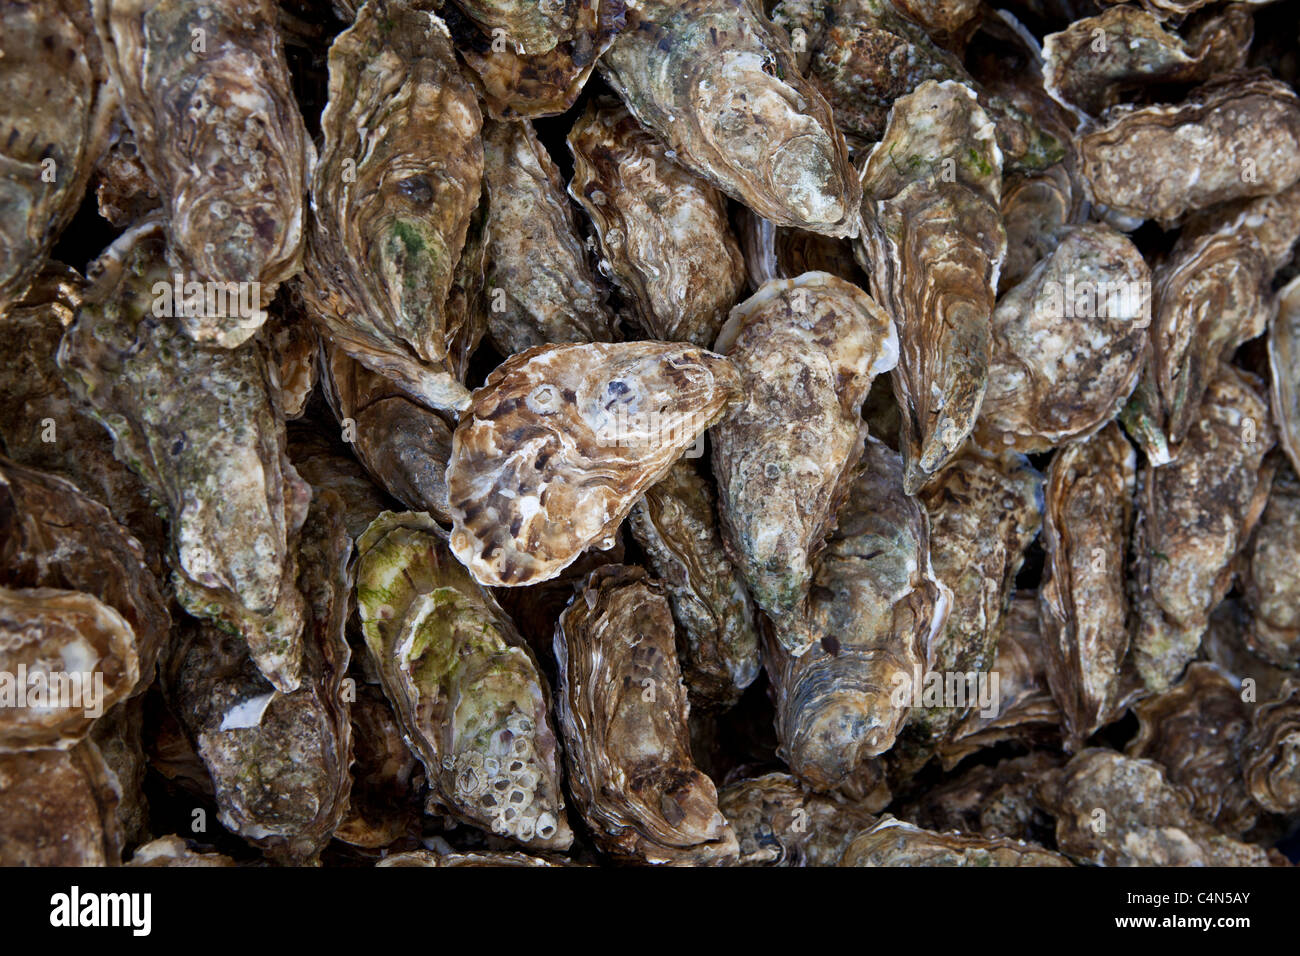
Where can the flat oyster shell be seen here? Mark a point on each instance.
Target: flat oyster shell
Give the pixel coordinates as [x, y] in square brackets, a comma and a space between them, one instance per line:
[65, 657]
[878, 606]
[892, 842]
[719, 84]
[1234, 137]
[58, 808]
[663, 231]
[208, 96]
[1068, 343]
[1271, 752]
[779, 822]
[464, 685]
[675, 523]
[1193, 516]
[1271, 575]
[393, 194]
[933, 243]
[1083, 605]
[808, 350]
[585, 430]
[1284, 363]
[539, 283]
[199, 425]
[622, 709]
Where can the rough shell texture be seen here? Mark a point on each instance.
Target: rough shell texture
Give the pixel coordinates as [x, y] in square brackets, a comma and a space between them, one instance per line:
[1271, 575]
[489, 858]
[529, 27]
[622, 710]
[892, 842]
[808, 350]
[719, 84]
[119, 735]
[124, 192]
[465, 687]
[779, 822]
[996, 801]
[172, 850]
[1272, 752]
[58, 808]
[562, 440]
[1284, 363]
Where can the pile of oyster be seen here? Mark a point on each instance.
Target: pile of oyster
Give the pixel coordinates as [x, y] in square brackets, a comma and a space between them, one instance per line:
[693, 432]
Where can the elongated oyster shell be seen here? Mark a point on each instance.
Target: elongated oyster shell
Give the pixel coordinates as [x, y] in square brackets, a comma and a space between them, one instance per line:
[877, 606]
[1083, 606]
[293, 360]
[1196, 731]
[65, 656]
[540, 287]
[1271, 752]
[808, 349]
[392, 197]
[278, 761]
[58, 808]
[1068, 343]
[717, 644]
[1284, 363]
[208, 95]
[1114, 810]
[997, 801]
[464, 685]
[662, 230]
[933, 242]
[1272, 575]
[779, 822]
[719, 84]
[562, 440]
[622, 709]
[199, 426]
[54, 121]
[1193, 516]
[53, 536]
[1236, 136]
[891, 842]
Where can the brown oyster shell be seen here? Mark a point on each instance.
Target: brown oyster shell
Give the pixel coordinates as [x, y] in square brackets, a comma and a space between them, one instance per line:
[119, 735]
[382, 805]
[878, 606]
[463, 684]
[200, 426]
[293, 360]
[719, 84]
[393, 194]
[808, 350]
[1068, 343]
[622, 710]
[1083, 605]
[210, 102]
[662, 230]
[676, 526]
[892, 842]
[124, 192]
[58, 808]
[326, 465]
[933, 242]
[1284, 363]
[539, 284]
[1037, 209]
[997, 801]
[1271, 752]
[529, 27]
[1193, 516]
[1234, 137]
[585, 430]
[172, 850]
[1271, 575]
[1225, 646]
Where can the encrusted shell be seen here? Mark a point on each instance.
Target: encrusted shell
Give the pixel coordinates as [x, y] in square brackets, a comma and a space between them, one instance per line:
[779, 822]
[562, 440]
[1271, 575]
[892, 842]
[622, 709]
[58, 808]
[1271, 753]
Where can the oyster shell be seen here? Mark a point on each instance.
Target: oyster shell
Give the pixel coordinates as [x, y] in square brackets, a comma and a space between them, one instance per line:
[807, 349]
[1271, 752]
[1037, 209]
[293, 361]
[210, 102]
[891, 842]
[997, 801]
[933, 242]
[1284, 363]
[662, 230]
[119, 735]
[1271, 575]
[529, 27]
[622, 709]
[58, 808]
[717, 647]
[381, 807]
[1193, 516]
[1225, 646]
[539, 284]
[393, 194]
[124, 192]
[464, 685]
[199, 425]
[490, 858]
[1082, 603]
[562, 440]
[172, 850]
[720, 86]
[326, 466]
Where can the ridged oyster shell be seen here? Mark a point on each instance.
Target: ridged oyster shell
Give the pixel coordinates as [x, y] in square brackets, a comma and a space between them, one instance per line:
[892, 842]
[1271, 752]
[779, 822]
[1284, 363]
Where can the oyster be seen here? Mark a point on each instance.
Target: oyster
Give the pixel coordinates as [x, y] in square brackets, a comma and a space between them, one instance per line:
[1037, 209]
[778, 822]
[1284, 363]
[1068, 343]
[562, 440]
[1236, 136]
[892, 842]
[1271, 575]
[124, 192]
[622, 709]
[529, 27]
[293, 361]
[1082, 602]
[464, 685]
[717, 645]
[58, 808]
[1225, 647]
[1193, 516]
[393, 194]
[720, 86]
[119, 735]
[807, 349]
[174, 851]
[327, 466]
[1271, 752]
[199, 425]
[933, 242]
[207, 92]
[490, 858]
[877, 607]
[539, 284]
[997, 801]
[381, 807]
[663, 231]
